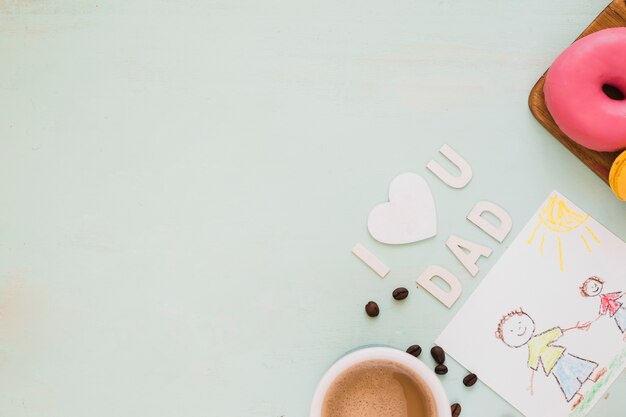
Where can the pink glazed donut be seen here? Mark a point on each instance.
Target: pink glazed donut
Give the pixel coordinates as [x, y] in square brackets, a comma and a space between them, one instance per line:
[585, 90]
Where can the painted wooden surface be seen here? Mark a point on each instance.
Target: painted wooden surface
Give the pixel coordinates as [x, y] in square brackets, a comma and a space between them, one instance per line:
[599, 162]
[182, 183]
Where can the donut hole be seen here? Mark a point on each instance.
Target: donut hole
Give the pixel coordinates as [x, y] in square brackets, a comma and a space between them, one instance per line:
[613, 92]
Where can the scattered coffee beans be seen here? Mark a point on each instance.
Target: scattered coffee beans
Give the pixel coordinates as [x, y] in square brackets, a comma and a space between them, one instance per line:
[438, 354]
[470, 380]
[441, 369]
[414, 350]
[372, 309]
[400, 293]
[455, 409]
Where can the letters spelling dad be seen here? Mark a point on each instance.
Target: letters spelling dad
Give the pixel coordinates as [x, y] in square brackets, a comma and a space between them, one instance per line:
[410, 216]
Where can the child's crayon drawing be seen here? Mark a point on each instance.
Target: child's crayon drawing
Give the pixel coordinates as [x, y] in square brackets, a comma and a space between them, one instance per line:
[610, 304]
[558, 354]
[556, 217]
[517, 329]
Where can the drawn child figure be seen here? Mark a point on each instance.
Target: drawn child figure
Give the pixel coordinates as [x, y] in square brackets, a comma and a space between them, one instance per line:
[517, 329]
[609, 303]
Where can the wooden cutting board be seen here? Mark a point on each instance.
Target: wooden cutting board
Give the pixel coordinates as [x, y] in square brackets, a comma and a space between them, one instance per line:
[599, 162]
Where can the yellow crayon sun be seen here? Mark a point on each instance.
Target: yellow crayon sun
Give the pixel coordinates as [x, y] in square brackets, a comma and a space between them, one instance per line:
[556, 217]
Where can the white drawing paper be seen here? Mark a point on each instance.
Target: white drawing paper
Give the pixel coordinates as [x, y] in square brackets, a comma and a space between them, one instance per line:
[546, 329]
[409, 216]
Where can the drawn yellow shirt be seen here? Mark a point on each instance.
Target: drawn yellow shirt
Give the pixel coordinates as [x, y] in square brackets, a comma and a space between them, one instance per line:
[540, 349]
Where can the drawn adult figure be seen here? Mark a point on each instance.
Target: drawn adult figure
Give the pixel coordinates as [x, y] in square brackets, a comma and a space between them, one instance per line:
[517, 329]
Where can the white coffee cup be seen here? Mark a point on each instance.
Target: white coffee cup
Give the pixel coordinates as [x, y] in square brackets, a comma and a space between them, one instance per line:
[423, 372]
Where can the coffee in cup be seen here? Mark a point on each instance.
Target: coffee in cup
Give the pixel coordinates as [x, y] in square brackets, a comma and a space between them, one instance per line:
[379, 382]
[378, 388]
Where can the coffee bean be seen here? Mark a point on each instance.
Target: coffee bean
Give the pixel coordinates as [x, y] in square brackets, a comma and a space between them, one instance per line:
[441, 369]
[372, 309]
[400, 293]
[414, 350]
[455, 409]
[470, 380]
[438, 354]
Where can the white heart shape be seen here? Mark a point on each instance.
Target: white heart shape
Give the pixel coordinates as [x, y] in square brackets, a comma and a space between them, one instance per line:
[410, 214]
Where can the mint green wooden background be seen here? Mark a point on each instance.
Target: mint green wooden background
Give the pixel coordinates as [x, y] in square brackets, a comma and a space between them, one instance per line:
[181, 184]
